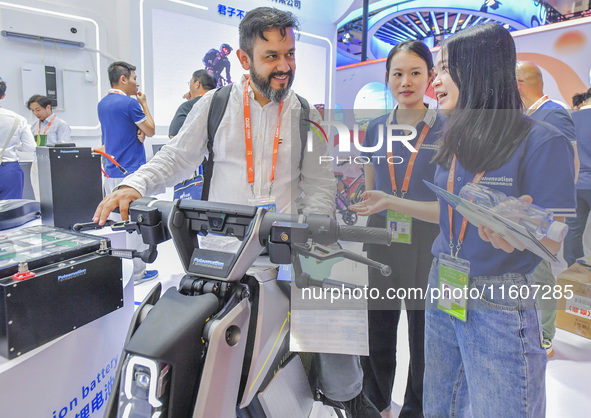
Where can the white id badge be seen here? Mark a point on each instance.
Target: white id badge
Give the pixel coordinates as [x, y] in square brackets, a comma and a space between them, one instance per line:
[266, 202]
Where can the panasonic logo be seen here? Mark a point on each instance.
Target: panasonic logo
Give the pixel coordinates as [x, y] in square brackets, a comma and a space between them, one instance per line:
[74, 151]
[69, 276]
[208, 263]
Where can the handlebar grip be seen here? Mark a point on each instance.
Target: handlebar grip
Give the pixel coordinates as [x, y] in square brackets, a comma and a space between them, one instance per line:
[365, 234]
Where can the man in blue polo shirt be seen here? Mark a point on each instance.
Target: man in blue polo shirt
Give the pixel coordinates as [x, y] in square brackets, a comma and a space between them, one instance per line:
[573, 244]
[125, 123]
[539, 106]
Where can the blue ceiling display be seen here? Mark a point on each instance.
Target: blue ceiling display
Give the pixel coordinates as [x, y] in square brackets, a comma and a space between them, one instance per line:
[394, 21]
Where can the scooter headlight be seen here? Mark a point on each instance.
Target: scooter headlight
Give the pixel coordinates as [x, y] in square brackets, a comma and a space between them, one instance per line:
[144, 388]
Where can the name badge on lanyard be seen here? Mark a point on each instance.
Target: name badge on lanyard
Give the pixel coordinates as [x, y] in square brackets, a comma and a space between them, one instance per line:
[41, 138]
[401, 226]
[454, 272]
[265, 202]
[400, 223]
[453, 286]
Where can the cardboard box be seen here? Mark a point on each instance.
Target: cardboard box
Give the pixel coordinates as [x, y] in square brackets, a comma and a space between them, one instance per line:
[574, 313]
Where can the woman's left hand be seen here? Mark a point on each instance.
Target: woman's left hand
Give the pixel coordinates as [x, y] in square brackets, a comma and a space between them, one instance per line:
[374, 201]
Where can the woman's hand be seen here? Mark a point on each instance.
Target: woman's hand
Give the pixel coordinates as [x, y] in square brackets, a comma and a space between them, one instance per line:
[499, 243]
[495, 239]
[375, 201]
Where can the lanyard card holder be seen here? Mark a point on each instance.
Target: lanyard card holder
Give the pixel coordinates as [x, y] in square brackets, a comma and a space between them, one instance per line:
[401, 226]
[41, 140]
[265, 202]
[453, 286]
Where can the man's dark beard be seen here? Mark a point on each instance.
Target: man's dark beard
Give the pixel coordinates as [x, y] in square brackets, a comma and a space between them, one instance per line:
[264, 84]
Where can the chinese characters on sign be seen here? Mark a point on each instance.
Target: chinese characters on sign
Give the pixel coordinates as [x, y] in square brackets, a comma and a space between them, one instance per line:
[291, 3]
[97, 401]
[225, 10]
[230, 11]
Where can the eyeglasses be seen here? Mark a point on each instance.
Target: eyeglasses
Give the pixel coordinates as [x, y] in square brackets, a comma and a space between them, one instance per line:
[189, 83]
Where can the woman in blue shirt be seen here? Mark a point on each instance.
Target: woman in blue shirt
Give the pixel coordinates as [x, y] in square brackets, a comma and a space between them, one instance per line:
[486, 358]
[409, 70]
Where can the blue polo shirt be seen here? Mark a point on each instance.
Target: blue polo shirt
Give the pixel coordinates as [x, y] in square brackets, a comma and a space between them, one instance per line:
[582, 120]
[553, 113]
[423, 168]
[119, 115]
[540, 168]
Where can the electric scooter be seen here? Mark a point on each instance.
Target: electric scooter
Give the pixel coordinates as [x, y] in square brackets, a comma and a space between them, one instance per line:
[219, 345]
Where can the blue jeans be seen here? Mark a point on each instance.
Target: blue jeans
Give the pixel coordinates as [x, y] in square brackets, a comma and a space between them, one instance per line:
[491, 365]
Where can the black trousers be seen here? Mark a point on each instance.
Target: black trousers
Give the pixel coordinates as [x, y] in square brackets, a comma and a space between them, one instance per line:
[410, 265]
[573, 243]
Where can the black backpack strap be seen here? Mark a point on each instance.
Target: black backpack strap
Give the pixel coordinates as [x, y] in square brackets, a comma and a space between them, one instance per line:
[217, 108]
[304, 117]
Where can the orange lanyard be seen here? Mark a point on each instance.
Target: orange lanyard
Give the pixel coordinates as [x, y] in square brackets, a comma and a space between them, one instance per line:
[46, 128]
[536, 105]
[450, 189]
[409, 167]
[248, 137]
[116, 92]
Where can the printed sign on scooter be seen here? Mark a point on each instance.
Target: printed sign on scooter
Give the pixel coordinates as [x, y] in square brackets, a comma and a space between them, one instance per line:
[198, 261]
[214, 263]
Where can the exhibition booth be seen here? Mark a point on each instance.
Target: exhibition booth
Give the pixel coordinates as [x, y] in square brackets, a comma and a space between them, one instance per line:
[67, 300]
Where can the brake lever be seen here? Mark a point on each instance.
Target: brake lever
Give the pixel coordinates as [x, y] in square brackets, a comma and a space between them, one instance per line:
[148, 256]
[85, 226]
[321, 252]
[128, 226]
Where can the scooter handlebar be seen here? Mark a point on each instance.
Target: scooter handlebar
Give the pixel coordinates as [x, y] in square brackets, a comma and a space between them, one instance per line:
[325, 230]
[365, 234]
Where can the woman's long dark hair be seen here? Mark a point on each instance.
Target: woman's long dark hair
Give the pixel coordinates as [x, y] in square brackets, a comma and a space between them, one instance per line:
[487, 125]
